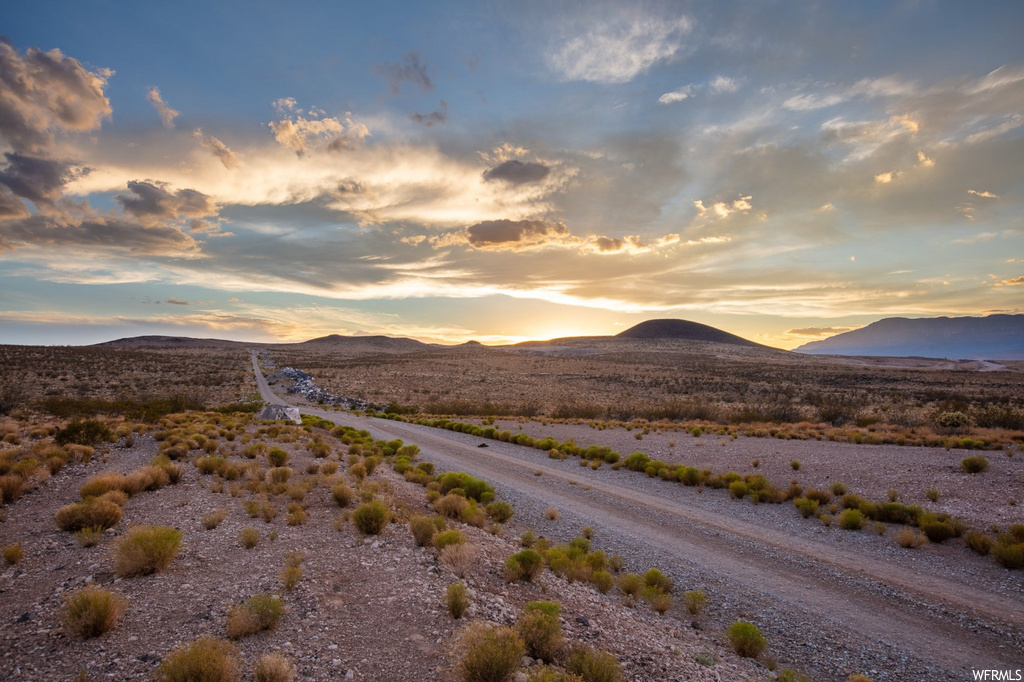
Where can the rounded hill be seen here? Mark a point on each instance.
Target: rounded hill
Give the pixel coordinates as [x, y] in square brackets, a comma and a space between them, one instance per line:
[683, 330]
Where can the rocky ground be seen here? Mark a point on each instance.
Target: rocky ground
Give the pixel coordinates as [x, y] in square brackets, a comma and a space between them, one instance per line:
[367, 607]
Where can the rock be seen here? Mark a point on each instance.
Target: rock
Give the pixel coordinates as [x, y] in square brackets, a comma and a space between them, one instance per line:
[583, 620]
[277, 412]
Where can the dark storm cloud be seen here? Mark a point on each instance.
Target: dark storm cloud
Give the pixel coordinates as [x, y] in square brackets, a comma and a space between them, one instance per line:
[154, 200]
[37, 179]
[411, 70]
[517, 172]
[514, 232]
[43, 92]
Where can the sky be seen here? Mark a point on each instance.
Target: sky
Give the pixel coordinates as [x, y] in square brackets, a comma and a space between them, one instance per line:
[496, 171]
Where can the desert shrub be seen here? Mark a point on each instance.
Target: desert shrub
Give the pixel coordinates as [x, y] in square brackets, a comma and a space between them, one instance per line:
[631, 584]
[460, 558]
[541, 633]
[101, 483]
[92, 611]
[738, 489]
[932, 494]
[974, 465]
[452, 506]
[89, 537]
[290, 577]
[661, 602]
[637, 461]
[207, 659]
[12, 395]
[806, 506]
[746, 639]
[492, 654]
[342, 494]
[979, 542]
[423, 530]
[248, 537]
[602, 580]
[500, 511]
[593, 666]
[88, 514]
[551, 514]
[371, 517]
[146, 549]
[851, 519]
[657, 581]
[213, 519]
[260, 612]
[11, 488]
[937, 531]
[277, 457]
[1008, 554]
[12, 553]
[457, 599]
[695, 601]
[908, 538]
[795, 465]
[296, 515]
[819, 496]
[87, 432]
[524, 565]
[448, 537]
[952, 422]
[273, 668]
[858, 678]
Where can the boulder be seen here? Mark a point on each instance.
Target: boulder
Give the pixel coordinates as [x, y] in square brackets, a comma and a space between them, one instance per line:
[278, 412]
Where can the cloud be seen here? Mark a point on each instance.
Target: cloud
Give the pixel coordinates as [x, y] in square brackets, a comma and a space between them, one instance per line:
[39, 180]
[819, 331]
[149, 201]
[433, 118]
[45, 92]
[924, 161]
[411, 70]
[719, 85]
[675, 96]
[514, 233]
[1015, 282]
[983, 194]
[174, 301]
[504, 152]
[11, 206]
[517, 172]
[301, 134]
[982, 237]
[217, 148]
[166, 113]
[87, 229]
[618, 50]
[811, 102]
[723, 209]
[887, 177]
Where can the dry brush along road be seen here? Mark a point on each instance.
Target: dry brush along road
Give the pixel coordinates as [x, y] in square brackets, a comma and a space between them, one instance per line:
[827, 608]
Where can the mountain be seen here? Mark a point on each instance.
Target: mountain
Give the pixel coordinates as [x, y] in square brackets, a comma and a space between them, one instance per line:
[383, 344]
[158, 341]
[995, 337]
[683, 330]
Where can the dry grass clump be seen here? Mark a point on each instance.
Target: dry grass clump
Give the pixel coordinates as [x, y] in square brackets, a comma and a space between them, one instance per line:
[974, 464]
[261, 612]
[89, 513]
[551, 514]
[89, 537]
[292, 572]
[12, 553]
[490, 654]
[593, 665]
[452, 506]
[457, 599]
[424, 528]
[460, 558]
[342, 494]
[213, 519]
[540, 630]
[92, 611]
[909, 538]
[146, 549]
[448, 538]
[248, 537]
[273, 668]
[207, 659]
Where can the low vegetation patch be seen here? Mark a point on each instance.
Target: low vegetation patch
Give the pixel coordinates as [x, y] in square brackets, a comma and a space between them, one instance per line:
[372, 517]
[746, 639]
[260, 612]
[207, 659]
[92, 611]
[491, 653]
[146, 549]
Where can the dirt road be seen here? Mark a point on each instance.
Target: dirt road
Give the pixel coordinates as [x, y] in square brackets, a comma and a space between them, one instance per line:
[827, 610]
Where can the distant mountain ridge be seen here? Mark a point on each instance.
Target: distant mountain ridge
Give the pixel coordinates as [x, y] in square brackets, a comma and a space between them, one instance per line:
[684, 330]
[995, 337]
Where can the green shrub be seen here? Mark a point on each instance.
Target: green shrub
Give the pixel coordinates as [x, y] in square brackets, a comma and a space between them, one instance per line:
[631, 584]
[657, 581]
[806, 506]
[290, 577]
[448, 537]
[738, 489]
[500, 511]
[88, 514]
[661, 602]
[695, 601]
[746, 639]
[371, 517]
[974, 465]
[541, 633]
[277, 457]
[146, 549]
[524, 565]
[1009, 554]
[92, 611]
[979, 542]
[207, 659]
[88, 432]
[594, 666]
[937, 531]
[851, 519]
[423, 530]
[260, 612]
[492, 654]
[602, 580]
[452, 505]
[457, 599]
[342, 494]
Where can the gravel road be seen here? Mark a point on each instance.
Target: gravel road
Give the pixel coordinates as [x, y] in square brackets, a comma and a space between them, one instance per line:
[828, 608]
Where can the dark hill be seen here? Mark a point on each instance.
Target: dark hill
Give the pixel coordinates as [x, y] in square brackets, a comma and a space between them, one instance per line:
[381, 343]
[158, 341]
[683, 330]
[996, 337]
